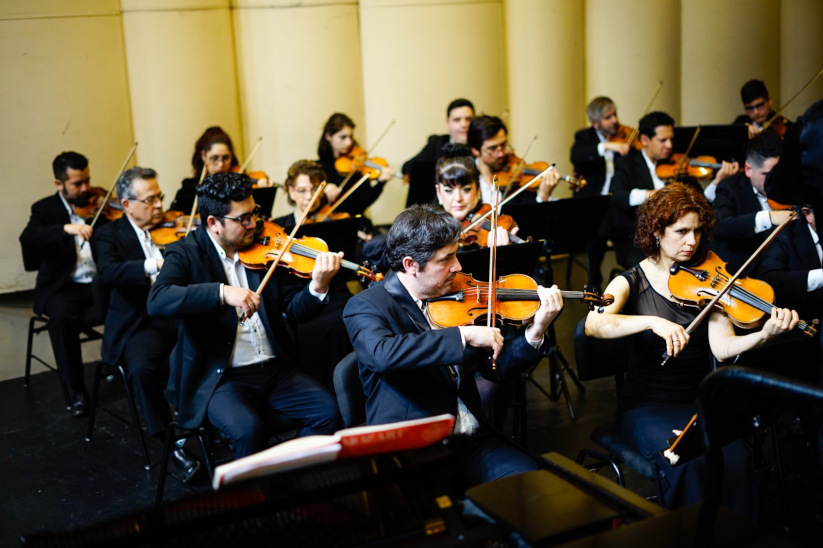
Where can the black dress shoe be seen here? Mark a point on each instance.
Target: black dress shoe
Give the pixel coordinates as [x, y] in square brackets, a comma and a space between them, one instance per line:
[188, 464]
[80, 406]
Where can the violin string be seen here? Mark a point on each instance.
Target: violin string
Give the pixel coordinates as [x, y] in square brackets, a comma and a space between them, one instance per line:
[312, 253]
[757, 301]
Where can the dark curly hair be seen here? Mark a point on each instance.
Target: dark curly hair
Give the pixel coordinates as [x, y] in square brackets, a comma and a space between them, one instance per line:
[218, 190]
[664, 208]
[418, 232]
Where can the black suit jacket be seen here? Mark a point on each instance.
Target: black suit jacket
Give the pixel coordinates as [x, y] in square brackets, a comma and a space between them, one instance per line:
[44, 241]
[404, 363]
[785, 265]
[630, 172]
[120, 272]
[734, 236]
[588, 163]
[359, 200]
[188, 289]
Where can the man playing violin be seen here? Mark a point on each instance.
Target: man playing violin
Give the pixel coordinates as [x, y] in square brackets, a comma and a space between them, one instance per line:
[128, 263]
[237, 374]
[758, 106]
[488, 138]
[744, 214]
[420, 169]
[593, 154]
[410, 370]
[56, 242]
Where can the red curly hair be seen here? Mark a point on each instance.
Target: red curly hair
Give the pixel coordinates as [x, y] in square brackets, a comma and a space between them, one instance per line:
[664, 208]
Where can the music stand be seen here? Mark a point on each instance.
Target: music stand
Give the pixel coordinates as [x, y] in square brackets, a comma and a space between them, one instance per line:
[264, 198]
[421, 183]
[340, 235]
[511, 259]
[723, 142]
[567, 226]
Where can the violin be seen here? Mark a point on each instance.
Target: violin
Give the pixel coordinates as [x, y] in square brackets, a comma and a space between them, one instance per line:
[516, 300]
[256, 177]
[172, 228]
[747, 302]
[623, 134]
[700, 168]
[509, 174]
[357, 161]
[479, 234]
[269, 242]
[111, 210]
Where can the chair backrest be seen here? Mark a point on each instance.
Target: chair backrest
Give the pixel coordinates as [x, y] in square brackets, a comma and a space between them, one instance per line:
[349, 390]
[599, 358]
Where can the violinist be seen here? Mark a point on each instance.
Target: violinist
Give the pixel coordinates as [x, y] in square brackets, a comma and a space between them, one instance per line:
[420, 169]
[674, 225]
[410, 370]
[488, 138]
[128, 263]
[337, 140]
[458, 189]
[302, 180]
[230, 373]
[758, 106]
[54, 242]
[744, 214]
[215, 150]
[593, 154]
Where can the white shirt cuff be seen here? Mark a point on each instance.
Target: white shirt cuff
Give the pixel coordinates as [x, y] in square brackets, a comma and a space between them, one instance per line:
[637, 196]
[601, 149]
[221, 295]
[320, 296]
[150, 267]
[762, 222]
[814, 280]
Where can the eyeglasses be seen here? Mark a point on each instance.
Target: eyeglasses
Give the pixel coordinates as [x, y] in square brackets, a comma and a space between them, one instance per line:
[151, 200]
[222, 159]
[502, 147]
[754, 106]
[247, 219]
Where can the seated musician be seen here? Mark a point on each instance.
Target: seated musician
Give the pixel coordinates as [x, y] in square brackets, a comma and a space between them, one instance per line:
[128, 263]
[635, 180]
[215, 150]
[420, 169]
[410, 370]
[488, 138]
[593, 156]
[302, 180]
[56, 241]
[337, 140]
[674, 225]
[745, 218]
[235, 374]
[758, 106]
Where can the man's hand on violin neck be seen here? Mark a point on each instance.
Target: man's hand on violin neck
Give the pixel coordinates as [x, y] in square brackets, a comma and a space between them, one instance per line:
[239, 297]
[551, 304]
[479, 336]
[326, 266]
[82, 230]
[778, 216]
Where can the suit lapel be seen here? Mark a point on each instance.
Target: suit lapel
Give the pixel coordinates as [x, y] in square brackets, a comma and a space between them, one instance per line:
[394, 288]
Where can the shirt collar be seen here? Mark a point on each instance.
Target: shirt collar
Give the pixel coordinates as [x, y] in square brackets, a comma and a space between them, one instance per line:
[219, 248]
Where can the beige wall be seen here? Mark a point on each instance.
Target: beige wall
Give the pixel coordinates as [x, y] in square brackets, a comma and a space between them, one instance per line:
[95, 75]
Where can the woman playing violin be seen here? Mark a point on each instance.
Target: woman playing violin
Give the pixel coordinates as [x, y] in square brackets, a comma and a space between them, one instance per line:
[302, 180]
[337, 141]
[488, 139]
[458, 188]
[215, 150]
[674, 225]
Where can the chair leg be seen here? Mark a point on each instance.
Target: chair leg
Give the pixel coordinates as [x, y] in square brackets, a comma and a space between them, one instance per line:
[164, 463]
[95, 392]
[141, 438]
[27, 376]
[602, 460]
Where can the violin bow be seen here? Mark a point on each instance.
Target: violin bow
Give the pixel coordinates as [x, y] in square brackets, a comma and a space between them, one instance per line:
[519, 167]
[194, 204]
[112, 187]
[704, 313]
[789, 102]
[684, 161]
[491, 317]
[483, 217]
[366, 154]
[251, 154]
[633, 134]
[322, 217]
[289, 240]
